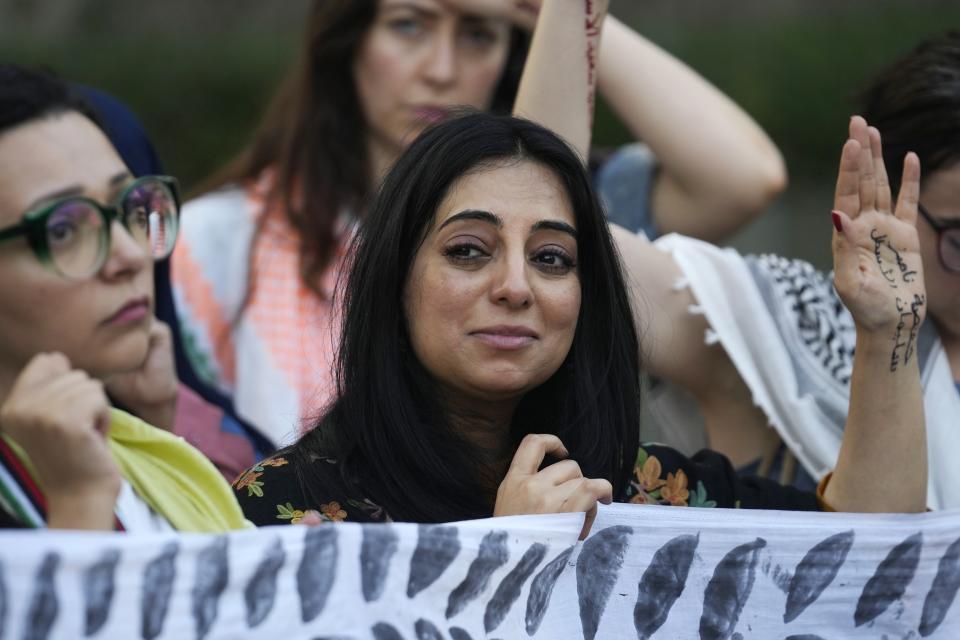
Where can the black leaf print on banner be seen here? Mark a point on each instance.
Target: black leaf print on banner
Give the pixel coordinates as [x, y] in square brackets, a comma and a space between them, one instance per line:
[541, 588]
[377, 549]
[662, 583]
[261, 591]
[815, 572]
[317, 570]
[510, 587]
[597, 569]
[890, 580]
[209, 583]
[437, 546]
[158, 580]
[492, 555]
[98, 586]
[728, 590]
[942, 591]
[44, 605]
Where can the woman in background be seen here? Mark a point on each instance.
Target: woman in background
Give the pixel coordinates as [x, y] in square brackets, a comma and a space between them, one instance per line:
[255, 269]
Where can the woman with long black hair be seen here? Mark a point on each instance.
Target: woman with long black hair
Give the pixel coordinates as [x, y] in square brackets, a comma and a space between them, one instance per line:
[489, 363]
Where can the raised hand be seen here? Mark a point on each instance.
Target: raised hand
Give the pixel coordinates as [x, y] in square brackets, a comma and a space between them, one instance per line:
[876, 250]
[60, 417]
[558, 488]
[882, 465]
[151, 390]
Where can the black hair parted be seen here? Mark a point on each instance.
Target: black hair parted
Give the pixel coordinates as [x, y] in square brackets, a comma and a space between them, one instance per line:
[387, 426]
[915, 103]
[27, 94]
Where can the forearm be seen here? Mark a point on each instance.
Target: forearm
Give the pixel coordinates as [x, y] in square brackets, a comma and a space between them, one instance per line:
[718, 167]
[882, 466]
[557, 86]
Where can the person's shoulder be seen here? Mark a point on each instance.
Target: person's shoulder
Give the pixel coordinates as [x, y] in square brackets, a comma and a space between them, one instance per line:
[214, 241]
[272, 492]
[268, 490]
[227, 205]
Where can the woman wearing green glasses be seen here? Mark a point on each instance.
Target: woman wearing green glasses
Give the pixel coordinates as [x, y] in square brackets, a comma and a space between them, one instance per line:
[72, 233]
[78, 237]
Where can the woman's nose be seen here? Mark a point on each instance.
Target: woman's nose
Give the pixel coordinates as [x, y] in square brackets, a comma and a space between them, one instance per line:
[512, 284]
[126, 256]
[441, 64]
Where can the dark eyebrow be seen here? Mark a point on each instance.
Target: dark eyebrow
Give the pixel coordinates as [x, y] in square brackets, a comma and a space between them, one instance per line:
[73, 190]
[120, 177]
[411, 6]
[76, 190]
[554, 225]
[473, 214]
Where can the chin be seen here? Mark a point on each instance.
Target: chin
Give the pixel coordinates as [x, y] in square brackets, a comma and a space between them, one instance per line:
[123, 356]
[507, 386]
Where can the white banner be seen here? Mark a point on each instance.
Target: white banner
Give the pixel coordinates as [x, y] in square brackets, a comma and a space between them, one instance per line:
[645, 572]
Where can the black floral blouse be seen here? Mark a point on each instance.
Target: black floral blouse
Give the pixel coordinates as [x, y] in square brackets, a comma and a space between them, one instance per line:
[269, 492]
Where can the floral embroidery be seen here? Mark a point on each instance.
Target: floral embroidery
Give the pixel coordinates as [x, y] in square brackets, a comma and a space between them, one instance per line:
[332, 512]
[287, 512]
[699, 497]
[675, 492]
[649, 474]
[248, 480]
[649, 487]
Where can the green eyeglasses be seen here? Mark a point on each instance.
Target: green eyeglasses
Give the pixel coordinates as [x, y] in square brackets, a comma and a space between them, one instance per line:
[72, 234]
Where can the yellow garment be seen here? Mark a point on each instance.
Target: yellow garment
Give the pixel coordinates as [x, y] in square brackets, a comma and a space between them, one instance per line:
[175, 479]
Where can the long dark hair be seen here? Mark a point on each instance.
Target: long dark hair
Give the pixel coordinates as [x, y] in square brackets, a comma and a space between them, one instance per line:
[915, 103]
[387, 428]
[313, 134]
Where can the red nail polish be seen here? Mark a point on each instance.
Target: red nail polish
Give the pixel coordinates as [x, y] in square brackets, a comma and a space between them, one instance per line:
[836, 221]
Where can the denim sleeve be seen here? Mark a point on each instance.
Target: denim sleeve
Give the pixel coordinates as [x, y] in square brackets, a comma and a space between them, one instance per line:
[625, 185]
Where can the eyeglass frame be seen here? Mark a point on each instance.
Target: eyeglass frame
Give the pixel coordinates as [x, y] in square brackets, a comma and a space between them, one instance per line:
[33, 223]
[940, 228]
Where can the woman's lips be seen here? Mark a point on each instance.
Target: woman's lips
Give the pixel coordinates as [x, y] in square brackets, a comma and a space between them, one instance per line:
[431, 114]
[506, 338]
[133, 311]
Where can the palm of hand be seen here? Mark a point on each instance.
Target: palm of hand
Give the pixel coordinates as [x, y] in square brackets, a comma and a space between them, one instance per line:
[887, 269]
[878, 270]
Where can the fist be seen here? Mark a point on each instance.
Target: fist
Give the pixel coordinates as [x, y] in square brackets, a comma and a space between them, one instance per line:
[151, 391]
[559, 488]
[60, 417]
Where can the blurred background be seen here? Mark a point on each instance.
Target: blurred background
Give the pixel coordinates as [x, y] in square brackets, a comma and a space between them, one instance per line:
[198, 74]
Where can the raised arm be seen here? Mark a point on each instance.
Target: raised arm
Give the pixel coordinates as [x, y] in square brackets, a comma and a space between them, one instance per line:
[559, 78]
[672, 337]
[718, 169]
[879, 276]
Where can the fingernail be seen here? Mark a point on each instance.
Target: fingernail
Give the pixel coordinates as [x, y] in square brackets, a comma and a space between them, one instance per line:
[836, 221]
